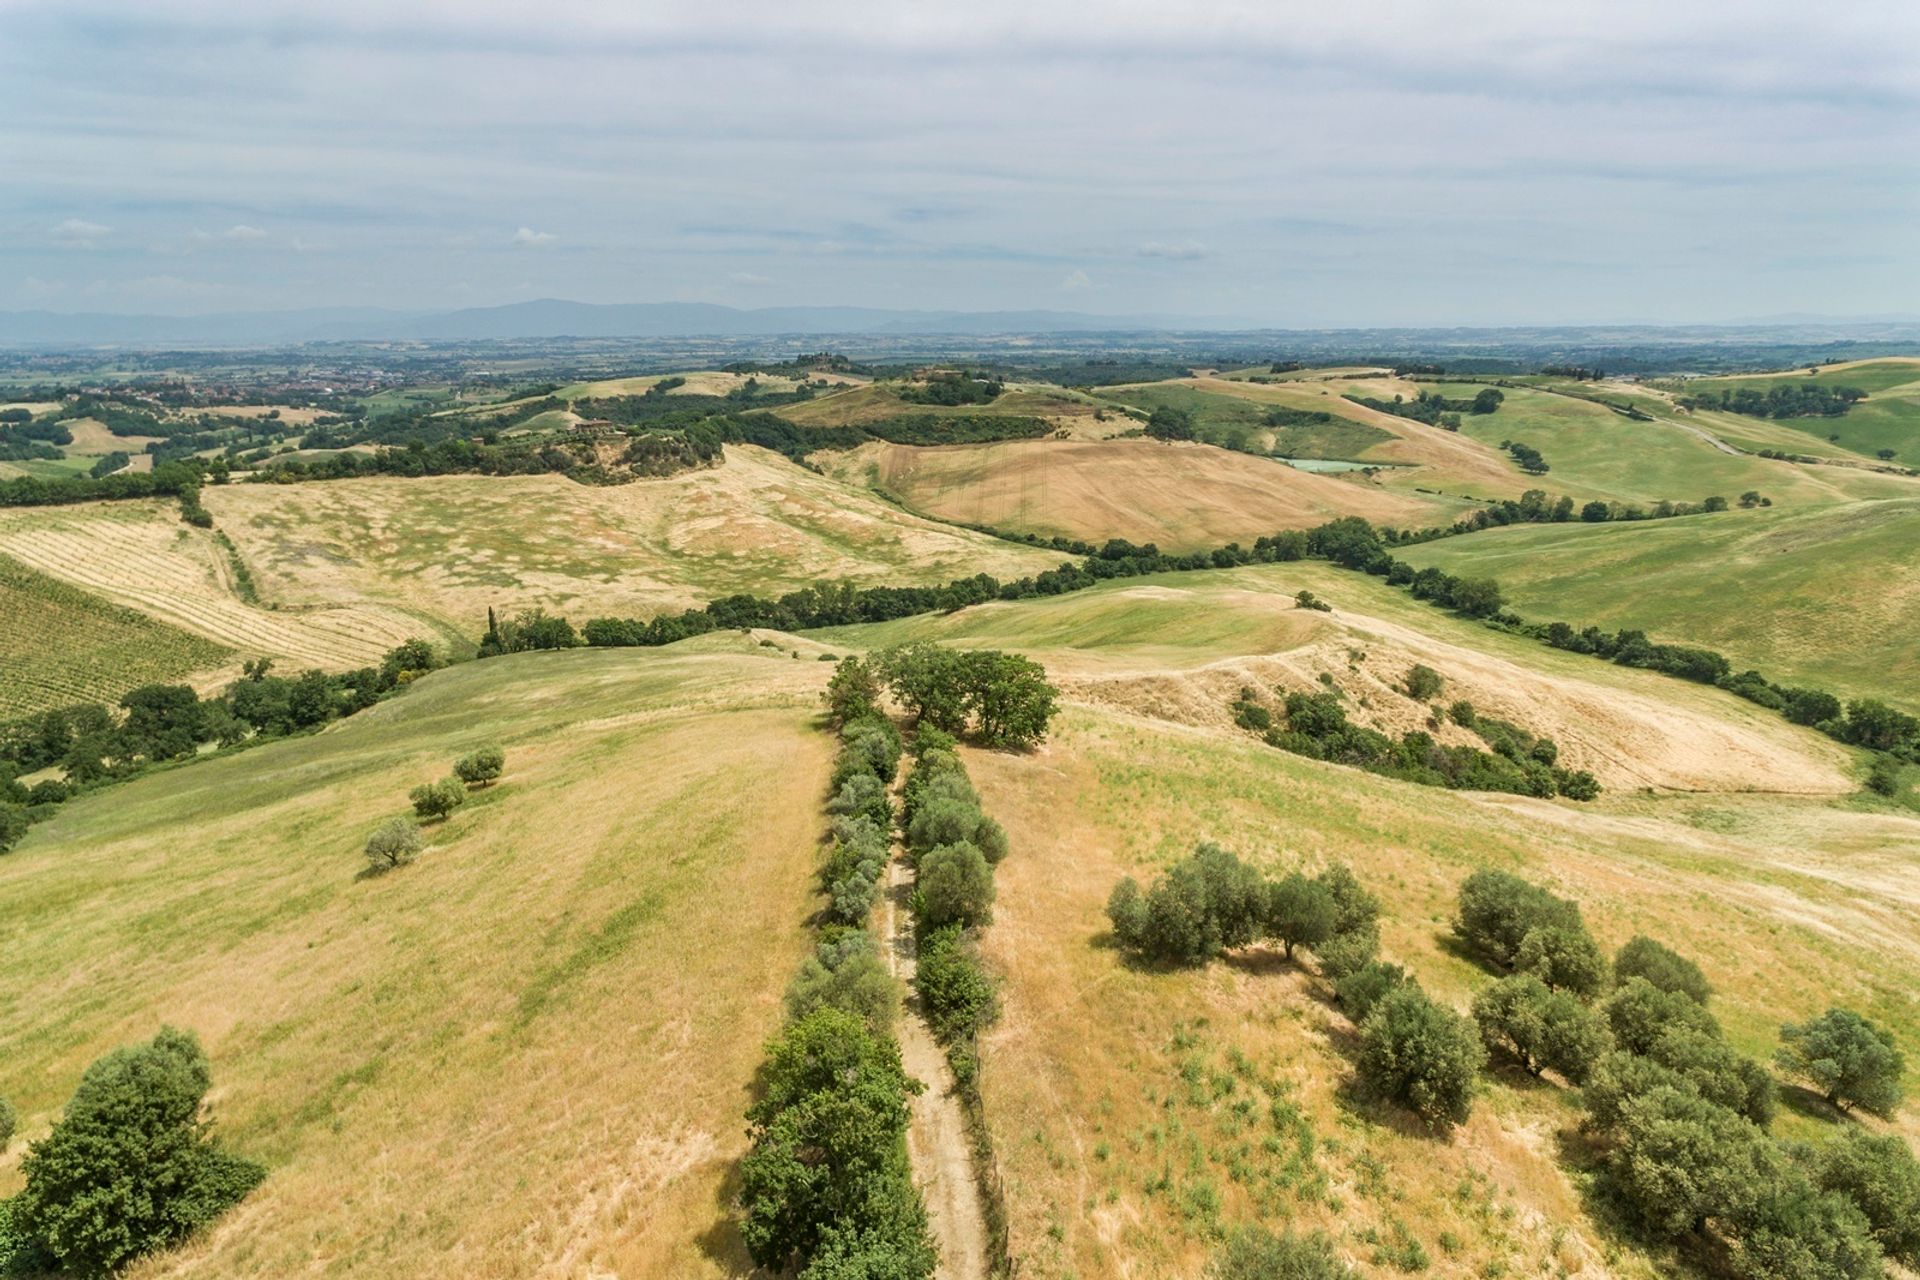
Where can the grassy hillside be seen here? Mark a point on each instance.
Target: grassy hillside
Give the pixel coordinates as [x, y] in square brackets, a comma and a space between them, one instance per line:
[1136, 1111]
[527, 1053]
[60, 645]
[1829, 595]
[1889, 418]
[1220, 416]
[872, 402]
[1185, 497]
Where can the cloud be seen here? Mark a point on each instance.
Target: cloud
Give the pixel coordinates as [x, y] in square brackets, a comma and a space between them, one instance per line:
[78, 231]
[241, 231]
[1185, 251]
[748, 278]
[527, 237]
[1076, 282]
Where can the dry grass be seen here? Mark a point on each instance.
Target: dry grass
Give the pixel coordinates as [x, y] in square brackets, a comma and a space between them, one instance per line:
[1185, 497]
[528, 1053]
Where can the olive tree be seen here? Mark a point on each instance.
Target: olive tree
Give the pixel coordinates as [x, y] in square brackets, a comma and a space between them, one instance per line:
[1850, 1061]
[394, 843]
[956, 886]
[436, 800]
[1421, 1055]
[1660, 965]
[481, 768]
[1540, 1028]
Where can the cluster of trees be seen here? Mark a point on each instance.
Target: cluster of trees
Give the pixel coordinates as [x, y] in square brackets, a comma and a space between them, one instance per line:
[649, 453]
[1579, 373]
[951, 388]
[1433, 408]
[92, 745]
[1527, 456]
[955, 847]
[21, 438]
[1316, 725]
[1807, 400]
[826, 1190]
[129, 1168]
[434, 801]
[166, 480]
[999, 699]
[1680, 1114]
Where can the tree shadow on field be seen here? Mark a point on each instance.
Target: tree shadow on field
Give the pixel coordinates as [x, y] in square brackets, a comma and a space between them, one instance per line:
[1803, 1101]
[1264, 962]
[1450, 944]
[721, 1243]
[1354, 1098]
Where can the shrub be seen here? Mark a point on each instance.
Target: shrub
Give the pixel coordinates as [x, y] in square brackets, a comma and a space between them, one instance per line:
[863, 796]
[1206, 903]
[956, 886]
[129, 1167]
[9, 1120]
[853, 692]
[1346, 953]
[1254, 1253]
[1639, 1013]
[1679, 1161]
[1354, 909]
[1308, 600]
[1850, 1061]
[438, 799]
[1661, 966]
[394, 843]
[955, 992]
[846, 973]
[1540, 1028]
[1880, 1175]
[481, 768]
[1421, 1055]
[1359, 991]
[870, 743]
[1424, 683]
[1498, 909]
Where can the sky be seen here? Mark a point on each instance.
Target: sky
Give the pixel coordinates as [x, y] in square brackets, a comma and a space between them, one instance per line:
[1278, 163]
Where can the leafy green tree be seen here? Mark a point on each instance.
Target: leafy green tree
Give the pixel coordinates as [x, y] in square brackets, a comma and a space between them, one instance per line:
[405, 661]
[130, 1167]
[13, 826]
[1345, 953]
[394, 843]
[956, 886]
[1880, 1175]
[1299, 912]
[1498, 909]
[1254, 1253]
[1679, 1161]
[930, 682]
[481, 768]
[435, 800]
[954, 990]
[863, 795]
[1424, 683]
[1795, 1231]
[1365, 986]
[1205, 903]
[1642, 957]
[1639, 1013]
[854, 690]
[1421, 1055]
[1354, 909]
[1618, 1078]
[1540, 1028]
[1566, 959]
[1852, 1062]
[1009, 698]
[1716, 1071]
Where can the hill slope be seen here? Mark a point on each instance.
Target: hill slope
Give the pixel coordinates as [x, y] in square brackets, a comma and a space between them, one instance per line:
[526, 1054]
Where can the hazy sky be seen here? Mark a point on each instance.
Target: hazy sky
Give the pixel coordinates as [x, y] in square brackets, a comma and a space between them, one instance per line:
[1334, 162]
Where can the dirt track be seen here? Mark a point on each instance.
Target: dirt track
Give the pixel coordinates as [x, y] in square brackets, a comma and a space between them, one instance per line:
[937, 1143]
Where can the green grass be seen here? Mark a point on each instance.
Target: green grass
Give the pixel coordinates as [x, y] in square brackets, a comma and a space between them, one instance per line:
[1237, 423]
[60, 645]
[1889, 418]
[1828, 595]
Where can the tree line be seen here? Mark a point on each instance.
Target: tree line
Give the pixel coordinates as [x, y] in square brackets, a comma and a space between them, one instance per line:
[1807, 400]
[93, 744]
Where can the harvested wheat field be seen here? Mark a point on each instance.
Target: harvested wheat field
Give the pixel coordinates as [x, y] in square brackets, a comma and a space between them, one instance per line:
[139, 554]
[1183, 496]
[527, 1053]
[451, 546]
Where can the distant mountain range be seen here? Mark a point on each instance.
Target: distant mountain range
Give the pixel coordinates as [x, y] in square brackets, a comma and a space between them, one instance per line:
[553, 318]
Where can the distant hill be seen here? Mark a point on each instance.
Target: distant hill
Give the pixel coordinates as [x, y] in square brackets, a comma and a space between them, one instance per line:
[554, 318]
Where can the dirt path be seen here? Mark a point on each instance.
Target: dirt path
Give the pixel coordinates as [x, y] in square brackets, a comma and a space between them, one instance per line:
[937, 1136]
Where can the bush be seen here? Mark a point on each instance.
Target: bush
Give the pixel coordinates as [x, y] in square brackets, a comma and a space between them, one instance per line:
[1299, 912]
[1347, 953]
[1880, 1175]
[955, 992]
[438, 799]
[863, 796]
[846, 973]
[1254, 1253]
[482, 768]
[1204, 904]
[9, 1120]
[956, 886]
[1359, 991]
[1421, 1055]
[1424, 683]
[1850, 1061]
[1540, 1028]
[1564, 959]
[1639, 1013]
[394, 843]
[1678, 1161]
[129, 1168]
[1497, 911]
[853, 692]
[1661, 966]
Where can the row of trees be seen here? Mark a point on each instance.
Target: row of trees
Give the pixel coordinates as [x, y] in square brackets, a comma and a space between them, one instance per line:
[825, 1187]
[93, 744]
[1806, 400]
[1527, 456]
[1680, 1115]
[129, 1168]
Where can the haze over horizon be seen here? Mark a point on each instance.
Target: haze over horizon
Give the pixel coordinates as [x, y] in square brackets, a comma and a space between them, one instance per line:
[1387, 164]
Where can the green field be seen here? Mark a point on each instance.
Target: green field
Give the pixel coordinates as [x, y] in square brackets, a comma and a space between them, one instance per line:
[59, 646]
[1236, 423]
[1889, 418]
[1829, 595]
